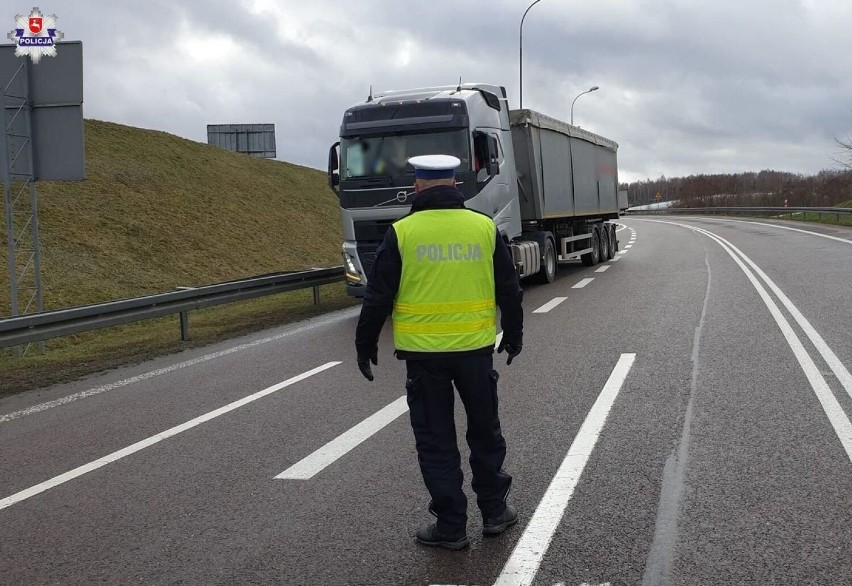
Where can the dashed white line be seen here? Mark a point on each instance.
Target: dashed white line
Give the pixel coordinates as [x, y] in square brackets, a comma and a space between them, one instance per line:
[583, 283]
[315, 463]
[525, 560]
[550, 305]
[135, 379]
[603, 269]
[138, 446]
[628, 246]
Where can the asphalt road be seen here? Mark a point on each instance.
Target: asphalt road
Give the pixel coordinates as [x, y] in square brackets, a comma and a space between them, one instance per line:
[676, 420]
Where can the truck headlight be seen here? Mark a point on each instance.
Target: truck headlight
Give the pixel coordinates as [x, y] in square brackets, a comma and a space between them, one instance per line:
[352, 275]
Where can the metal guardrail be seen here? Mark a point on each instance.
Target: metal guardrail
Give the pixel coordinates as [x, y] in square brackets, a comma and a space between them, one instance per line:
[749, 211]
[15, 331]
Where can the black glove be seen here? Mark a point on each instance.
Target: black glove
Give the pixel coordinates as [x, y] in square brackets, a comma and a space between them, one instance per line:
[511, 349]
[364, 363]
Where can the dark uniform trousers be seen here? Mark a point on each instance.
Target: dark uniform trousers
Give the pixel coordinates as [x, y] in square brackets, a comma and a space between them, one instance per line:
[430, 399]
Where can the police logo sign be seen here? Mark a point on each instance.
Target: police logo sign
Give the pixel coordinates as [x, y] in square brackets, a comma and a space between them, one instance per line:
[35, 35]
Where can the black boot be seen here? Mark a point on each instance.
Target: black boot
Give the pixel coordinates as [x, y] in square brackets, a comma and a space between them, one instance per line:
[429, 535]
[497, 525]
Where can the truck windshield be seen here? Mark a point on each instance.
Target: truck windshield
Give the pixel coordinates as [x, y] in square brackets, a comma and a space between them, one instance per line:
[387, 156]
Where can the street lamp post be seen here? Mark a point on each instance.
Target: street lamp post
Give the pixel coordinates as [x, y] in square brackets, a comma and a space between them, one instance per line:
[591, 89]
[521, 52]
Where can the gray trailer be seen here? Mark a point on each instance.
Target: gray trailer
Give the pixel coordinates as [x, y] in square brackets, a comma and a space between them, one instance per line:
[563, 171]
[567, 182]
[550, 187]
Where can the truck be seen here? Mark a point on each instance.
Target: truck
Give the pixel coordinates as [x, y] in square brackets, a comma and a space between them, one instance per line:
[550, 187]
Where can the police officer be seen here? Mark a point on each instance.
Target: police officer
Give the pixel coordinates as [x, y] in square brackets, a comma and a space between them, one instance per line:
[443, 270]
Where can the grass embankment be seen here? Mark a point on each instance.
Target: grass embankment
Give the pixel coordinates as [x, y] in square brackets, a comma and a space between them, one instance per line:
[823, 218]
[158, 212]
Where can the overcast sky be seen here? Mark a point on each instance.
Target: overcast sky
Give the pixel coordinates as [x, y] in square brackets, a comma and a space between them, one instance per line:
[687, 86]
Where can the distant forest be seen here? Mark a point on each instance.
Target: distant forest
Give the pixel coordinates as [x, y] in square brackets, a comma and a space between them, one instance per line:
[766, 188]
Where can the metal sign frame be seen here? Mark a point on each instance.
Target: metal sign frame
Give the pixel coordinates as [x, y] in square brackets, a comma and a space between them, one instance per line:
[42, 139]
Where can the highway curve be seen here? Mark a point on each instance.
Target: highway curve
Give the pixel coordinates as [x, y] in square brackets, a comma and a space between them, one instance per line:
[680, 415]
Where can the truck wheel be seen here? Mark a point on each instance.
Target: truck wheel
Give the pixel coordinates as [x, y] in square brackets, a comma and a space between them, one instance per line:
[547, 273]
[603, 234]
[592, 258]
[613, 240]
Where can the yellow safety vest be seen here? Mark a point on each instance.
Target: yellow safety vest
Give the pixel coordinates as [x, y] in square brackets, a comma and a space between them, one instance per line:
[446, 299]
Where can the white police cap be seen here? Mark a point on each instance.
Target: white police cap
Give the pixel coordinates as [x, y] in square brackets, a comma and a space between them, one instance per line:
[434, 166]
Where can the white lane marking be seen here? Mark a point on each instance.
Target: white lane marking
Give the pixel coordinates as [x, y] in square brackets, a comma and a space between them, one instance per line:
[603, 269]
[615, 258]
[583, 283]
[834, 363]
[789, 228]
[310, 466]
[836, 416]
[526, 558]
[132, 449]
[129, 381]
[628, 246]
[620, 227]
[550, 305]
[622, 252]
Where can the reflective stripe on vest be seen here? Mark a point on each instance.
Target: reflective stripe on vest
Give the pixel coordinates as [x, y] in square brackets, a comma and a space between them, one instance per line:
[445, 301]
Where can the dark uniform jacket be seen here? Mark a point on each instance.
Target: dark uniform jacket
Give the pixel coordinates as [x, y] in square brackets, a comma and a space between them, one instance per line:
[383, 284]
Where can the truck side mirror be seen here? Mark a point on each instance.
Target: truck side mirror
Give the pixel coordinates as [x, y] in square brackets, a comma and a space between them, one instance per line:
[333, 169]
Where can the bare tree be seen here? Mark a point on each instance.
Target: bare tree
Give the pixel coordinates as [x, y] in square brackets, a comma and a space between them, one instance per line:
[845, 156]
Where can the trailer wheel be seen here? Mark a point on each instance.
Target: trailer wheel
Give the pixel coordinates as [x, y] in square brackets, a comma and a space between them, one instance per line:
[613, 240]
[603, 234]
[592, 258]
[547, 273]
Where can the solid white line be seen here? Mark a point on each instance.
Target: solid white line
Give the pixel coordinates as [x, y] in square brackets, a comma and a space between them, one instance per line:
[526, 558]
[837, 367]
[836, 416]
[603, 269]
[315, 463]
[129, 381]
[132, 449]
[583, 283]
[840, 371]
[789, 228]
[550, 305]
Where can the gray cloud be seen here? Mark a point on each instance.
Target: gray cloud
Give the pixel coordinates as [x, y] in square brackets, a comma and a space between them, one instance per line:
[686, 86]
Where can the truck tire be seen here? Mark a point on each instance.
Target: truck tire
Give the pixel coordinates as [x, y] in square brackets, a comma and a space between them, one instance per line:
[547, 273]
[603, 234]
[592, 258]
[613, 240]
